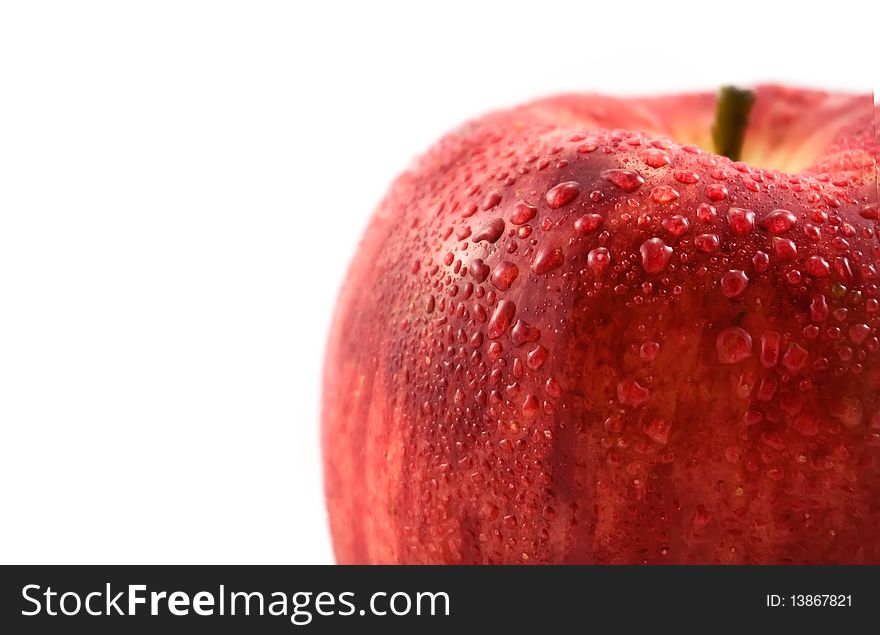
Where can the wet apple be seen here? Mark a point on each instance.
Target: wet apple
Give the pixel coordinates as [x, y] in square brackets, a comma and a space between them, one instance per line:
[600, 330]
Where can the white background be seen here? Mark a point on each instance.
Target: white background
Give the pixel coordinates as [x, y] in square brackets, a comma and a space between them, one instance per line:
[181, 187]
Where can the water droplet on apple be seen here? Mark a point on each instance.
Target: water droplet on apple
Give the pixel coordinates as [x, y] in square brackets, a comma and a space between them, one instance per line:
[475, 340]
[598, 261]
[784, 248]
[562, 194]
[523, 332]
[523, 213]
[858, 333]
[688, 177]
[655, 158]
[733, 344]
[501, 318]
[795, 357]
[664, 194]
[767, 389]
[716, 193]
[586, 148]
[495, 351]
[848, 411]
[547, 259]
[655, 255]
[741, 221]
[806, 424]
[818, 267]
[676, 225]
[536, 357]
[492, 199]
[530, 408]
[631, 393]
[842, 269]
[490, 232]
[626, 180]
[760, 261]
[733, 283]
[658, 431]
[778, 221]
[588, 223]
[648, 351]
[770, 346]
[518, 370]
[504, 275]
[701, 518]
[707, 243]
[706, 213]
[479, 270]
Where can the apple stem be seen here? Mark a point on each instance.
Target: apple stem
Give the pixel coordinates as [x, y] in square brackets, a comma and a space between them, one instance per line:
[731, 119]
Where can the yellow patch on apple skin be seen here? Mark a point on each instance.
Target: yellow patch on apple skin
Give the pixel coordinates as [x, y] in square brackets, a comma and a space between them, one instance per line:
[383, 478]
[791, 131]
[788, 130]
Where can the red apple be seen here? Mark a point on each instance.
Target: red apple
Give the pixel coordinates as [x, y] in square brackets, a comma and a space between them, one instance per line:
[573, 333]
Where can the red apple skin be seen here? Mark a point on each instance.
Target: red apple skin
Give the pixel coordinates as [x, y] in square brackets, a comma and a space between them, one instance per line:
[536, 360]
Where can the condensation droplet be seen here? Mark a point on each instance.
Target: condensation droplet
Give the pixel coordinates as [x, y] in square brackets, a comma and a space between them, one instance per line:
[529, 410]
[490, 232]
[688, 177]
[770, 345]
[795, 357]
[523, 332]
[707, 243]
[501, 318]
[784, 248]
[760, 261]
[778, 221]
[848, 411]
[658, 431]
[701, 518]
[664, 194]
[479, 270]
[733, 344]
[655, 158]
[626, 180]
[716, 193]
[562, 194]
[741, 221]
[504, 275]
[648, 351]
[733, 283]
[631, 393]
[676, 225]
[523, 213]
[598, 260]
[655, 255]
[706, 213]
[858, 333]
[588, 223]
[492, 199]
[818, 267]
[536, 357]
[547, 259]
